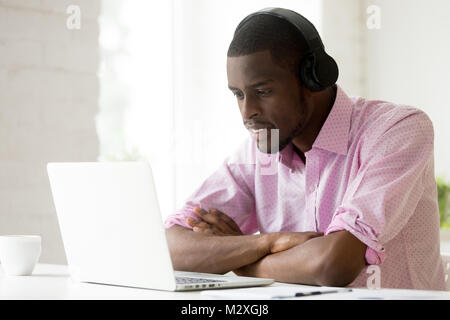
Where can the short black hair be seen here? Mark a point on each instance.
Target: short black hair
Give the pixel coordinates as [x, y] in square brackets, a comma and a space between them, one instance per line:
[264, 32]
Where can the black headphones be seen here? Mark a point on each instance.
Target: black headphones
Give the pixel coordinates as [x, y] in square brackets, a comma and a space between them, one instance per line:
[318, 70]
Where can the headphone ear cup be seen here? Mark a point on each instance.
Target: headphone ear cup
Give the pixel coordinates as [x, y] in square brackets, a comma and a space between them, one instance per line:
[307, 73]
[325, 71]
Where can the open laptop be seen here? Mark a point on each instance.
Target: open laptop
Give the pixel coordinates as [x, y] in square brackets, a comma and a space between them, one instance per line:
[113, 232]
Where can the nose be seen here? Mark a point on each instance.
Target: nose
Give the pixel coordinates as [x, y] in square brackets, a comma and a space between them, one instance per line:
[249, 108]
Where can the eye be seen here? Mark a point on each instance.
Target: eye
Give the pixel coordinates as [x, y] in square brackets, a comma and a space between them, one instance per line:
[261, 92]
[238, 94]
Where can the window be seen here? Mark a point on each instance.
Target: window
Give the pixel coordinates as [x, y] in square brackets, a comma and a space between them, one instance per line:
[163, 82]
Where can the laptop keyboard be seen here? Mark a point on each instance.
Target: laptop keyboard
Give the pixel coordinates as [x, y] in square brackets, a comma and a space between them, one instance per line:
[187, 280]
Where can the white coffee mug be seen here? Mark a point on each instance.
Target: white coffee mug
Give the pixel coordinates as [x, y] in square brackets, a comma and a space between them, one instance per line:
[19, 254]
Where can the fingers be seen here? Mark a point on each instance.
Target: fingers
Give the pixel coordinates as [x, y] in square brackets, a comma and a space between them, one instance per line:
[200, 212]
[216, 221]
[196, 223]
[204, 230]
[229, 222]
[281, 241]
[202, 227]
[214, 218]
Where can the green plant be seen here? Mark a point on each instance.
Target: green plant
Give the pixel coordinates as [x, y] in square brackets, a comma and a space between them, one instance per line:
[444, 202]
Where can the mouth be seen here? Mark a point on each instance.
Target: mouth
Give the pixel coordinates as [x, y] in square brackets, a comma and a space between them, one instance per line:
[255, 133]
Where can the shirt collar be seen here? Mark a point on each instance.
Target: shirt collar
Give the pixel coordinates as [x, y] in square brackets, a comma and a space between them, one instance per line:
[286, 155]
[333, 135]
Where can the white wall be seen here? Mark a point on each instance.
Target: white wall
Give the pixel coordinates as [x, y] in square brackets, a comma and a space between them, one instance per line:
[48, 102]
[343, 34]
[404, 61]
[408, 62]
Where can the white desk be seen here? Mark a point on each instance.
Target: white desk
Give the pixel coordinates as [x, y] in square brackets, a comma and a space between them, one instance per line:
[51, 281]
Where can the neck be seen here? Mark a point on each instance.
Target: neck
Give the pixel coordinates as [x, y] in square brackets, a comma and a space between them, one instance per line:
[321, 106]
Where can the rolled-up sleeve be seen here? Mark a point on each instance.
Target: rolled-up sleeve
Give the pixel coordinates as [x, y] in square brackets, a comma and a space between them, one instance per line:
[226, 190]
[384, 193]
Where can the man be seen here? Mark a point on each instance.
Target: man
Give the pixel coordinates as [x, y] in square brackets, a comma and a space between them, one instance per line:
[353, 186]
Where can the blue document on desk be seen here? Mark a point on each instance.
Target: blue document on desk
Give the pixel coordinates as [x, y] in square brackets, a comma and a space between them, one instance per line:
[273, 292]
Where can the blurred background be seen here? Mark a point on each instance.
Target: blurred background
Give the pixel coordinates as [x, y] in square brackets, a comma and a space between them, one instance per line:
[115, 80]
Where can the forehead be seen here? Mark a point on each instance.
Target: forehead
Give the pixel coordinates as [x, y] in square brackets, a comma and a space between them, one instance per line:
[244, 69]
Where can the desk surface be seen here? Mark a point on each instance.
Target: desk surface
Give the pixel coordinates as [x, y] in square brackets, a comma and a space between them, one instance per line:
[51, 281]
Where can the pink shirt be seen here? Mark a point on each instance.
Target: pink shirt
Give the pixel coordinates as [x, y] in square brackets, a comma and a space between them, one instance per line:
[370, 171]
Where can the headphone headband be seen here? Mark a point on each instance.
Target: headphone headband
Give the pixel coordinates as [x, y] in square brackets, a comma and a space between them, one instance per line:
[318, 70]
[303, 25]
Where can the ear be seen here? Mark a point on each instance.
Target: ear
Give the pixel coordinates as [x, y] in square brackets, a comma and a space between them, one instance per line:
[305, 92]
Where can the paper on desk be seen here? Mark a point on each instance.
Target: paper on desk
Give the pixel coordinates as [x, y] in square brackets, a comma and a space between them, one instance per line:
[272, 292]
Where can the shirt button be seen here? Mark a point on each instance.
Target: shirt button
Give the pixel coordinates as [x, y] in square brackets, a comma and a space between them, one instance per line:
[312, 189]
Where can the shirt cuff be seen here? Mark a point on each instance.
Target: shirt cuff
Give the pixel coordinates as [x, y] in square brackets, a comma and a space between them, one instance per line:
[179, 218]
[350, 221]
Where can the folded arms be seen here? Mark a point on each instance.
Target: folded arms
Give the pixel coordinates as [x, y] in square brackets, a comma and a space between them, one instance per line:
[216, 245]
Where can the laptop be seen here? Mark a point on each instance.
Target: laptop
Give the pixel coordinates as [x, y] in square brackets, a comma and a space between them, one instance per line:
[113, 231]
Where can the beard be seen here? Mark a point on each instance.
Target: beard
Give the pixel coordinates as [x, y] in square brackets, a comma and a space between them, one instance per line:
[294, 133]
[268, 146]
[265, 147]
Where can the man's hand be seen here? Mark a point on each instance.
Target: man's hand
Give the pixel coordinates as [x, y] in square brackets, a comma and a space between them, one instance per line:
[218, 223]
[280, 241]
[213, 222]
